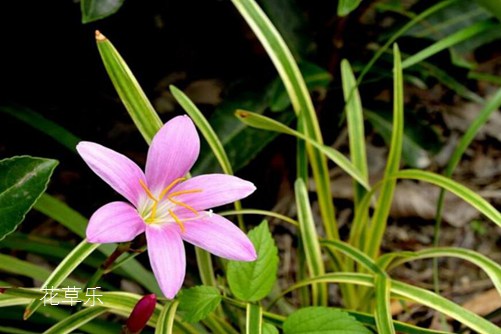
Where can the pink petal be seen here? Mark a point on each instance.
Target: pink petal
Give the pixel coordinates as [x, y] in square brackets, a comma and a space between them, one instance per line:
[121, 173]
[114, 222]
[216, 190]
[172, 153]
[167, 258]
[219, 236]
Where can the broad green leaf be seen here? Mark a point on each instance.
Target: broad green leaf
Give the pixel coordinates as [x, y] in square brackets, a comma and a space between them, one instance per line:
[252, 281]
[76, 320]
[165, 323]
[23, 180]
[266, 123]
[322, 320]
[254, 319]
[309, 241]
[382, 211]
[301, 101]
[196, 303]
[39, 122]
[131, 94]
[384, 321]
[93, 10]
[63, 270]
[345, 7]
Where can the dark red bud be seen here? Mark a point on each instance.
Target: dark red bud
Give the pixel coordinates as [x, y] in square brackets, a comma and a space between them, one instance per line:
[141, 313]
[2, 290]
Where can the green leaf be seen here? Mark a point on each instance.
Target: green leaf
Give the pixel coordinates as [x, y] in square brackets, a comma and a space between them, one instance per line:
[384, 321]
[252, 281]
[444, 43]
[322, 320]
[23, 180]
[266, 123]
[413, 151]
[344, 7]
[301, 101]
[494, 6]
[382, 211]
[254, 319]
[93, 10]
[241, 143]
[417, 19]
[63, 270]
[196, 303]
[314, 77]
[137, 104]
[16, 266]
[406, 291]
[309, 240]
[165, 323]
[458, 189]
[491, 268]
[269, 329]
[44, 125]
[76, 320]
[75, 222]
[355, 121]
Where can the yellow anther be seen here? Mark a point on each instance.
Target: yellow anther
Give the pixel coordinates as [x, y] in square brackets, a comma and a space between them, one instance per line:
[178, 221]
[170, 186]
[184, 205]
[182, 192]
[148, 192]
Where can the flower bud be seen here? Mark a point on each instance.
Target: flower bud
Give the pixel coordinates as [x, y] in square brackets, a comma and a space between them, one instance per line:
[141, 314]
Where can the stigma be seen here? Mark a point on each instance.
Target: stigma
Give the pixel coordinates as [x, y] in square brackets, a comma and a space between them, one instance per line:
[160, 209]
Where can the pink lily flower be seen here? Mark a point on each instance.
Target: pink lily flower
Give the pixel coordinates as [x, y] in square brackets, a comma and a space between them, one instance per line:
[165, 205]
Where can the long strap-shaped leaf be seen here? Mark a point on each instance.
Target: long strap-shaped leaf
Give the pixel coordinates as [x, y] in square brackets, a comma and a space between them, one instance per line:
[406, 291]
[76, 320]
[254, 319]
[444, 43]
[298, 93]
[379, 220]
[309, 240]
[491, 268]
[165, 321]
[129, 90]
[75, 222]
[63, 270]
[458, 189]
[262, 122]
[382, 312]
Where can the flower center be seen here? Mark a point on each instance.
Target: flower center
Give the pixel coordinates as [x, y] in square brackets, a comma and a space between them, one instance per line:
[160, 209]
